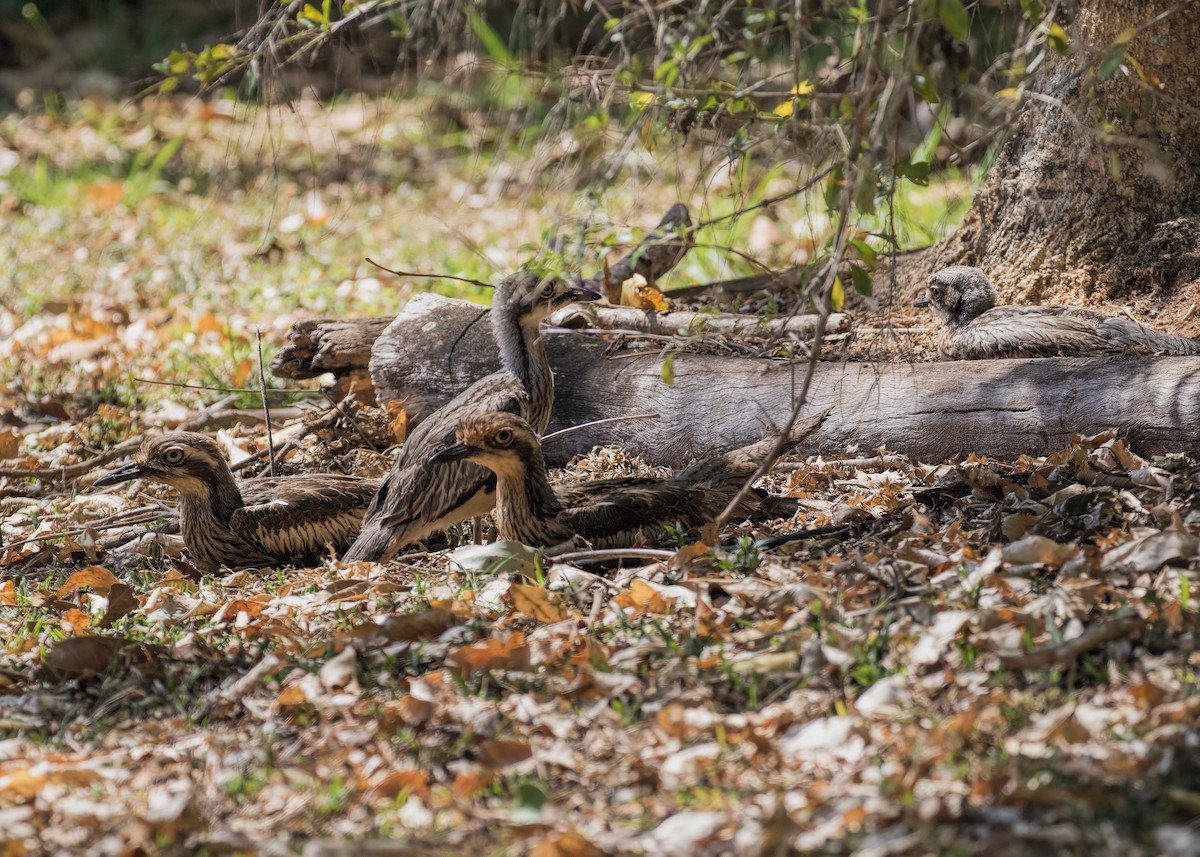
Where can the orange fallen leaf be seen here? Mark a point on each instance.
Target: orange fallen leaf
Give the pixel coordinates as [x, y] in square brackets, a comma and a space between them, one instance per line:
[636, 292]
[393, 784]
[105, 193]
[643, 598]
[399, 421]
[10, 443]
[8, 594]
[493, 654]
[536, 602]
[97, 577]
[469, 783]
[290, 696]
[77, 620]
[208, 324]
[571, 843]
[501, 754]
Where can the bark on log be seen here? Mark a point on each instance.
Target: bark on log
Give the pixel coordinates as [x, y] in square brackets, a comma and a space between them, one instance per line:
[744, 327]
[320, 345]
[343, 345]
[928, 410]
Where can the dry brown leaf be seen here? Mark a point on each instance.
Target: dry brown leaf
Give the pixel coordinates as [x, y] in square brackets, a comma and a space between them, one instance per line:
[97, 577]
[399, 421]
[79, 657]
[77, 620]
[572, 843]
[470, 783]
[8, 594]
[501, 754]
[10, 443]
[208, 324]
[641, 597]
[405, 627]
[393, 784]
[121, 601]
[536, 602]
[637, 292]
[494, 654]
[290, 697]
[105, 193]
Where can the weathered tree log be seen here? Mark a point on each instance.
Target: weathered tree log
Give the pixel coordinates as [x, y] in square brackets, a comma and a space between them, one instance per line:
[927, 410]
[343, 345]
[743, 327]
[320, 345]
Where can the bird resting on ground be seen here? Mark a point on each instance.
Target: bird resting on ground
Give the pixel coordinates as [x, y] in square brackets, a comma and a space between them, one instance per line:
[417, 501]
[286, 520]
[974, 327]
[607, 513]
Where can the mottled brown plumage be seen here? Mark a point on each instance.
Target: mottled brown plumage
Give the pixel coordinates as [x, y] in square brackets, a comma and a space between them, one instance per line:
[287, 520]
[416, 501]
[974, 328]
[607, 513]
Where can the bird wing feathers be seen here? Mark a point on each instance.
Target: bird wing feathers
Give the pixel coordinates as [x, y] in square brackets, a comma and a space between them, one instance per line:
[417, 500]
[297, 515]
[1068, 331]
[613, 512]
[1026, 332]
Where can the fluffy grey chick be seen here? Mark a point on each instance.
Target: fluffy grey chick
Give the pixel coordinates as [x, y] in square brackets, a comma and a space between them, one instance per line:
[974, 328]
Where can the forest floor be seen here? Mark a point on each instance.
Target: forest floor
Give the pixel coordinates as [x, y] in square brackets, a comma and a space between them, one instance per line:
[993, 657]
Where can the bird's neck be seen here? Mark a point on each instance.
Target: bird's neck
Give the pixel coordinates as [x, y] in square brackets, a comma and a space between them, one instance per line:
[523, 354]
[215, 504]
[526, 505]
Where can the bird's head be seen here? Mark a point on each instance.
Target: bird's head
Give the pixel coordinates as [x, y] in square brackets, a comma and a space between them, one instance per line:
[958, 294]
[501, 442]
[190, 463]
[533, 296]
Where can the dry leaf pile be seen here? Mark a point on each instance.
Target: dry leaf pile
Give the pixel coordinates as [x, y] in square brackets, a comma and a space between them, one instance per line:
[980, 655]
[967, 657]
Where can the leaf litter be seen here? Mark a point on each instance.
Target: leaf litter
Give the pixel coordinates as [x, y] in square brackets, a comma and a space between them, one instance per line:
[980, 656]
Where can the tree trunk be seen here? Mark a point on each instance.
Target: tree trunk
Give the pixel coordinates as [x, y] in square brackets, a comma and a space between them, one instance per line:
[927, 410]
[1095, 198]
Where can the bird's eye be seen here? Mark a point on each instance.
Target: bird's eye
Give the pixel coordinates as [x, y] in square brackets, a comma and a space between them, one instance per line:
[936, 294]
[503, 437]
[174, 455]
[547, 289]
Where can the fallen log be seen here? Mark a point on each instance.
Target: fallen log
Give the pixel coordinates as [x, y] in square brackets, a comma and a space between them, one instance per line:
[319, 345]
[735, 326]
[342, 346]
[930, 411]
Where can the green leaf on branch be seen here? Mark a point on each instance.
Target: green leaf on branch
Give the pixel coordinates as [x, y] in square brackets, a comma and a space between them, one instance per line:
[861, 280]
[955, 19]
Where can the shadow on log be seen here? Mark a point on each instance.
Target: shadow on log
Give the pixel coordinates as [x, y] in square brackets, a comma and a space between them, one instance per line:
[929, 411]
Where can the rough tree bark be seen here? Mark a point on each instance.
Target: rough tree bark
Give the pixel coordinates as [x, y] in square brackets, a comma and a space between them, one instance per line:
[1095, 198]
[925, 410]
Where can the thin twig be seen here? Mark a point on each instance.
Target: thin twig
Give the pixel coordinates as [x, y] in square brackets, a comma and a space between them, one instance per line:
[570, 429]
[432, 276]
[615, 553]
[262, 386]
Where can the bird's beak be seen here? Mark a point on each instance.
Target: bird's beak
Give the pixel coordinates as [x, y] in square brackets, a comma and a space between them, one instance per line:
[452, 452]
[581, 293]
[922, 301]
[125, 473]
